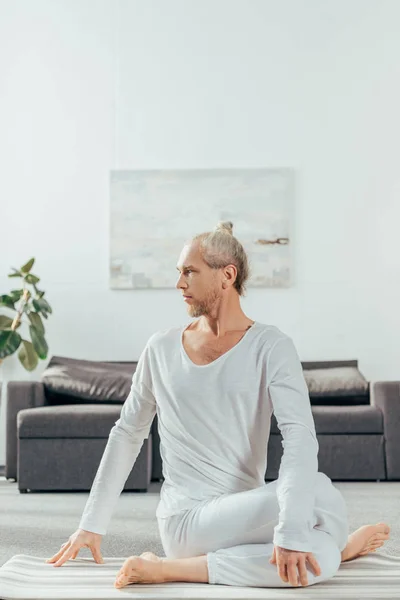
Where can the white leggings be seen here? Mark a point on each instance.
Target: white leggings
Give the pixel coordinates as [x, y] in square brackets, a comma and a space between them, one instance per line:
[235, 531]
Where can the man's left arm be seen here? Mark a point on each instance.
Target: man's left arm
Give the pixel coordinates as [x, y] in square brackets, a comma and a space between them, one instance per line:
[299, 466]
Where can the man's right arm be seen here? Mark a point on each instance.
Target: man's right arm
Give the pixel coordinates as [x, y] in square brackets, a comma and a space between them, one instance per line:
[124, 444]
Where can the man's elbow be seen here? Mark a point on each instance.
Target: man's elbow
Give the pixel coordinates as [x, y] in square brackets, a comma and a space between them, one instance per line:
[300, 436]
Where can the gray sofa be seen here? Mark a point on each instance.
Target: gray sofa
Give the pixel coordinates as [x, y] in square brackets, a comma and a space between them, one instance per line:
[54, 441]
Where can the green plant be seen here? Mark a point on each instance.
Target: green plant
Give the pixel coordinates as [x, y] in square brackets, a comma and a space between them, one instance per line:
[34, 308]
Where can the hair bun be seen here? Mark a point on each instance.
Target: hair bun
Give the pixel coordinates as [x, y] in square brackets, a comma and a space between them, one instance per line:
[225, 226]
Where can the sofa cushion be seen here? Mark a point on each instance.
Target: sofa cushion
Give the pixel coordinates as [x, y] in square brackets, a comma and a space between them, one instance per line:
[73, 421]
[343, 419]
[87, 380]
[337, 385]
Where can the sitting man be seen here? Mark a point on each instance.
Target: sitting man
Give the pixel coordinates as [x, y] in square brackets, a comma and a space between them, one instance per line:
[214, 385]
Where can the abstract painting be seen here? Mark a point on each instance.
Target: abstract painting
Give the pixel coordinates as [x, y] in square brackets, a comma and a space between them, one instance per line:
[153, 213]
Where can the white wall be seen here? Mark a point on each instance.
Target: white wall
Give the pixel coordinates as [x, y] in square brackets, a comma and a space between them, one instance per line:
[89, 86]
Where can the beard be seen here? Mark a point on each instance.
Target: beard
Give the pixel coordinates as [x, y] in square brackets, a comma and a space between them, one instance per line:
[198, 308]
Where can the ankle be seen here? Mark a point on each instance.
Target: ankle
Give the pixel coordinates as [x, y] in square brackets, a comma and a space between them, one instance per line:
[192, 569]
[163, 570]
[348, 554]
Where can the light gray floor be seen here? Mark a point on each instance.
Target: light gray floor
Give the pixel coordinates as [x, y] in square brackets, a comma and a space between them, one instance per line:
[38, 523]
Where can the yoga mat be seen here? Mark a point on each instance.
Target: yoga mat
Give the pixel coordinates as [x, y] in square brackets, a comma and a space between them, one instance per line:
[26, 577]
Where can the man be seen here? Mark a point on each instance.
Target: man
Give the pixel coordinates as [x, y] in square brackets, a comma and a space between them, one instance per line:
[214, 385]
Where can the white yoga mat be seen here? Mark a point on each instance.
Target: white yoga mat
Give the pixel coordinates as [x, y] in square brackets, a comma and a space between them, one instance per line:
[26, 577]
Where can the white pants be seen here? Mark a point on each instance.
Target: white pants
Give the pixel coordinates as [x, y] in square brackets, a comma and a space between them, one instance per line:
[235, 531]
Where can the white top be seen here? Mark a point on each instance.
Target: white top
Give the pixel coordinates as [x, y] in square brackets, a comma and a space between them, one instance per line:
[214, 425]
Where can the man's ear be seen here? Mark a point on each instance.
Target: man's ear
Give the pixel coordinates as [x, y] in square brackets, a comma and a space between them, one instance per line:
[230, 273]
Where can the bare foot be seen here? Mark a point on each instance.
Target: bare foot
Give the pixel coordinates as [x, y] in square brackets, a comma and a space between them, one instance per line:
[365, 539]
[150, 556]
[140, 569]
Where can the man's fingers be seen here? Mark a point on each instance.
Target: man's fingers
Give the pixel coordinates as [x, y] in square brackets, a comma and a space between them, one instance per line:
[66, 556]
[97, 556]
[282, 572]
[71, 551]
[272, 560]
[303, 572]
[59, 553]
[292, 572]
[292, 568]
[314, 563]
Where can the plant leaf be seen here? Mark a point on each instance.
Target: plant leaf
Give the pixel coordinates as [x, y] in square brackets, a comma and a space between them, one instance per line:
[47, 306]
[26, 268]
[15, 296]
[9, 343]
[44, 305]
[31, 278]
[39, 293]
[36, 322]
[8, 301]
[5, 322]
[28, 356]
[39, 343]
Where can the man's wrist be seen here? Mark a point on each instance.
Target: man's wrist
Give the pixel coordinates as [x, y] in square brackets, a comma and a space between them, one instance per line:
[293, 540]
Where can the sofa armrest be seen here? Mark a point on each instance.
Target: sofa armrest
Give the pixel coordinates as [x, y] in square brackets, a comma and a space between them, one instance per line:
[20, 395]
[386, 396]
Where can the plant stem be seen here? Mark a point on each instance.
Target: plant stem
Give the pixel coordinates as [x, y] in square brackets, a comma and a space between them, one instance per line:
[17, 320]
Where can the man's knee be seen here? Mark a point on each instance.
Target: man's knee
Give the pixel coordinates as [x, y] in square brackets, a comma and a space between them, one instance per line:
[329, 559]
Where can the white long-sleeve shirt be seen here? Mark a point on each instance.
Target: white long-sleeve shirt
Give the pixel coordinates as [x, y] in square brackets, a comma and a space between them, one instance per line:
[214, 426]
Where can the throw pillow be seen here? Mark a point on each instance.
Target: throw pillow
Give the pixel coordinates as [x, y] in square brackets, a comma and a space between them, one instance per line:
[94, 381]
[336, 381]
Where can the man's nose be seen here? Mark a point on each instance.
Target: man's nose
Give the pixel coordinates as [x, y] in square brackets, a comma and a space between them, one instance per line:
[179, 283]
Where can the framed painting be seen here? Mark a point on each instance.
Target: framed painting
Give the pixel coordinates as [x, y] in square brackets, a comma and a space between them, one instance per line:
[153, 213]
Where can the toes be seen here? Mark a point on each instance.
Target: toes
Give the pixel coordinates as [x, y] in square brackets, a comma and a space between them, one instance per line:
[380, 536]
[385, 526]
[128, 564]
[372, 547]
[121, 581]
[122, 577]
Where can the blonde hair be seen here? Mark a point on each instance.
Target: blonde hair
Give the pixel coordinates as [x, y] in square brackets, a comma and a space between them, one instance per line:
[219, 248]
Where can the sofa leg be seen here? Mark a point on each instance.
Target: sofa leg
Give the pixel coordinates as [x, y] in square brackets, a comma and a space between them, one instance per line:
[23, 491]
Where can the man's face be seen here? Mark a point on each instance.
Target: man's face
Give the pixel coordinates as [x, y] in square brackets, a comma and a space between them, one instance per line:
[199, 281]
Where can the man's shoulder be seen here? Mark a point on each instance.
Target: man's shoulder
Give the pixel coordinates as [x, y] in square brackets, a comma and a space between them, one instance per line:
[271, 334]
[279, 348]
[164, 336]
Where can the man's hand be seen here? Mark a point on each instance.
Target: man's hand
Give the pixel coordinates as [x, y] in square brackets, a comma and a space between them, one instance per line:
[80, 539]
[291, 561]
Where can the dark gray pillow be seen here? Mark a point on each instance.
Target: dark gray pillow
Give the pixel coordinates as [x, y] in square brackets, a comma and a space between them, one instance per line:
[89, 380]
[336, 381]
